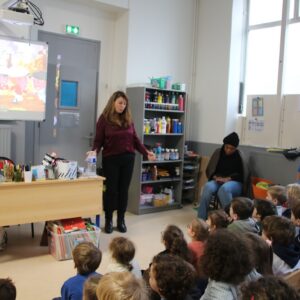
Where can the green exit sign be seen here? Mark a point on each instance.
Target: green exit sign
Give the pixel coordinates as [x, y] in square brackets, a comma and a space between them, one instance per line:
[71, 29]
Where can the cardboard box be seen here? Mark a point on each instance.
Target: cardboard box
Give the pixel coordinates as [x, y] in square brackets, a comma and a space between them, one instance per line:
[61, 245]
[66, 169]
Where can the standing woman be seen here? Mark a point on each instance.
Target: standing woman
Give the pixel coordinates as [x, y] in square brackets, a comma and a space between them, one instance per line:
[116, 136]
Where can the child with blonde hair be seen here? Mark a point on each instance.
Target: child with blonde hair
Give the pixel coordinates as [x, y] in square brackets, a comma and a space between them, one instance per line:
[90, 287]
[122, 252]
[198, 232]
[293, 195]
[121, 286]
[277, 194]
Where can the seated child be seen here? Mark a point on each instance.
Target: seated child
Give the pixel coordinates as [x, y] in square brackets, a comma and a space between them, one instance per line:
[217, 219]
[241, 209]
[87, 258]
[8, 290]
[175, 243]
[262, 253]
[121, 286]
[90, 287]
[281, 232]
[295, 218]
[277, 194]
[262, 209]
[293, 195]
[269, 287]
[227, 261]
[198, 232]
[122, 252]
[171, 277]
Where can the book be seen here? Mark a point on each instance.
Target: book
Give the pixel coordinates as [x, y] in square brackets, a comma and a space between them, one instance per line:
[73, 224]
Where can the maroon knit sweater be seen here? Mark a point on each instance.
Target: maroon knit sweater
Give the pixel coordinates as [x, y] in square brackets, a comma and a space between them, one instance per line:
[116, 140]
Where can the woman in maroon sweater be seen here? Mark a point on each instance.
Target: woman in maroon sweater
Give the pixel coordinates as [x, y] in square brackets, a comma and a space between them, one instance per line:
[116, 136]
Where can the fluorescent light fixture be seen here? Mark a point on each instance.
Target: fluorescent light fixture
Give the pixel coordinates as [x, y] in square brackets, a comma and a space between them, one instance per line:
[17, 18]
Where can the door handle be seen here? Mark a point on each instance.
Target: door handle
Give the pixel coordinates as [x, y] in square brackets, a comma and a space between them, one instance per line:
[89, 137]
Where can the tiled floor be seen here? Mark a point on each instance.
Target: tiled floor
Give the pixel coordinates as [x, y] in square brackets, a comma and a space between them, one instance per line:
[38, 276]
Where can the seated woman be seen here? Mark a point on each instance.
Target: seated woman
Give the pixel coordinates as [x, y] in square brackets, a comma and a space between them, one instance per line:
[227, 174]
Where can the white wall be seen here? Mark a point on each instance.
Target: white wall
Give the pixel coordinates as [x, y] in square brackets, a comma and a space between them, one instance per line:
[213, 105]
[160, 39]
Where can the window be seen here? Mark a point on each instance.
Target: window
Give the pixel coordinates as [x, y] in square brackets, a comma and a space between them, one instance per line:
[273, 47]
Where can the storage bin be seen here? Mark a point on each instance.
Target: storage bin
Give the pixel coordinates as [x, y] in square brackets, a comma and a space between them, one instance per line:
[61, 245]
[146, 199]
[259, 193]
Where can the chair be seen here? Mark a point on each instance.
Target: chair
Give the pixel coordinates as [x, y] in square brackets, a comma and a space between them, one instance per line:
[214, 203]
[293, 279]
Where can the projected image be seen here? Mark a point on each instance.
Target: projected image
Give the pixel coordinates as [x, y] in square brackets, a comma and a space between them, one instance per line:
[23, 75]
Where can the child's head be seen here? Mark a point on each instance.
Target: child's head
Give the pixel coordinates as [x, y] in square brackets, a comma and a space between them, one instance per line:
[90, 287]
[293, 193]
[263, 208]
[277, 194]
[171, 276]
[269, 287]
[8, 290]
[241, 208]
[198, 230]
[122, 250]
[227, 257]
[87, 258]
[217, 219]
[295, 218]
[262, 253]
[121, 286]
[175, 242]
[279, 230]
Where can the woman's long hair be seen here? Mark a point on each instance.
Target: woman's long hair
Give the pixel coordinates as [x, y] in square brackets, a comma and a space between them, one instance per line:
[124, 119]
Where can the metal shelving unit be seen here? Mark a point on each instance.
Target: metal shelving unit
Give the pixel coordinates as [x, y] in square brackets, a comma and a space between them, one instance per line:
[137, 97]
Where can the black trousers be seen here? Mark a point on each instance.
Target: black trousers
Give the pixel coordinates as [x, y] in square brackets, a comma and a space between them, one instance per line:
[118, 172]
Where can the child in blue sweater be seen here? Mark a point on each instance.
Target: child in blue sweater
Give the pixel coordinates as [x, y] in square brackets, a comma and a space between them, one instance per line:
[87, 258]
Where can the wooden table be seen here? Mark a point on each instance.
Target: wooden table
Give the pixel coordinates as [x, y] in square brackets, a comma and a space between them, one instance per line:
[47, 200]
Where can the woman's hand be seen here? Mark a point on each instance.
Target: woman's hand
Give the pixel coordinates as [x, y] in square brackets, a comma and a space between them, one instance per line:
[91, 153]
[151, 156]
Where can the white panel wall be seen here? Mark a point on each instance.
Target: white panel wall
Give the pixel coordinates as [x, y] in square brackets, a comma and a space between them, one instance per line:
[160, 39]
[208, 104]
[266, 136]
[291, 121]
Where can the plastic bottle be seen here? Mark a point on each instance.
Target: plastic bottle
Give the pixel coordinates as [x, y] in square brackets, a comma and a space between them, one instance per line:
[163, 125]
[154, 173]
[180, 103]
[167, 154]
[91, 166]
[173, 101]
[179, 127]
[168, 125]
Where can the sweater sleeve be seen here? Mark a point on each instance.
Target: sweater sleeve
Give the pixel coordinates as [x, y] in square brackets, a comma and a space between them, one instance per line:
[100, 134]
[138, 145]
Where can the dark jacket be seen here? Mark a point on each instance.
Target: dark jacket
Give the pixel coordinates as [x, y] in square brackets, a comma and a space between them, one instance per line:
[213, 162]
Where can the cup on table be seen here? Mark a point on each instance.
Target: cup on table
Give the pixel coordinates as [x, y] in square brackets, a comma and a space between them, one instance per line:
[27, 176]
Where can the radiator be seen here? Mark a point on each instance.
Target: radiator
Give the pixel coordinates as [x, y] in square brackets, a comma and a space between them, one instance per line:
[5, 141]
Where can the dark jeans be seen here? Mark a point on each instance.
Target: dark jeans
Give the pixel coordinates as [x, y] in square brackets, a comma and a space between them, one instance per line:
[117, 170]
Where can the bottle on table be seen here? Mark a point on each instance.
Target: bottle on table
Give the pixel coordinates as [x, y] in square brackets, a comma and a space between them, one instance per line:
[91, 165]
